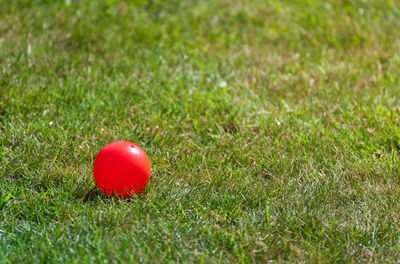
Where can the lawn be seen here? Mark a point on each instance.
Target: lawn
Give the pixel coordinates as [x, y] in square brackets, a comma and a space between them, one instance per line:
[273, 129]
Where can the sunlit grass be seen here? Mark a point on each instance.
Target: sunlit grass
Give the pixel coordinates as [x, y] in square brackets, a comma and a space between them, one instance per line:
[272, 128]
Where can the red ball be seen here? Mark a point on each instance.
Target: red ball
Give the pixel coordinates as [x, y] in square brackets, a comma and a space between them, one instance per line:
[121, 168]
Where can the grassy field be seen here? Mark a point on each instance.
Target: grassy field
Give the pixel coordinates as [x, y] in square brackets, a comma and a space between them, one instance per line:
[273, 128]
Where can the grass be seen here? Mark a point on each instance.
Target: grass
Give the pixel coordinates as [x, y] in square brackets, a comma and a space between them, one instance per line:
[273, 128]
